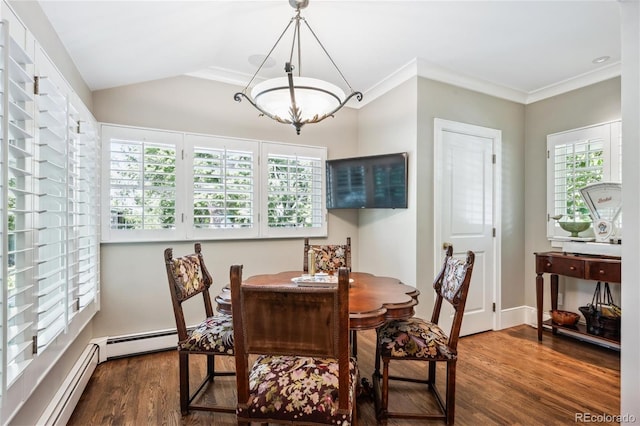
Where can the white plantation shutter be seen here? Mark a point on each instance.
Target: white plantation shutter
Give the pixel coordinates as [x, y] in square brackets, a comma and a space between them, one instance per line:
[53, 181]
[18, 186]
[224, 186]
[87, 241]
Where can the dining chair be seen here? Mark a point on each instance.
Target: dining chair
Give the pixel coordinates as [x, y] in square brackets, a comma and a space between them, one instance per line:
[188, 277]
[298, 341]
[416, 339]
[329, 257]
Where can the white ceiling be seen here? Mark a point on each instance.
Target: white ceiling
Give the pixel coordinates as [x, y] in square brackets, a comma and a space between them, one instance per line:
[519, 50]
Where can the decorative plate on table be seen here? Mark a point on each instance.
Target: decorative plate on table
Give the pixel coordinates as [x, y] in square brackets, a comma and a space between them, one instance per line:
[317, 280]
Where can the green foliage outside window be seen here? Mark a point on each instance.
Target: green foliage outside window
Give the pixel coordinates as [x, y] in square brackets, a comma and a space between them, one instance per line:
[582, 168]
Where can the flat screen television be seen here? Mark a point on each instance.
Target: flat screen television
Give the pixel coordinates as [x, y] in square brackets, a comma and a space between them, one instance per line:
[372, 182]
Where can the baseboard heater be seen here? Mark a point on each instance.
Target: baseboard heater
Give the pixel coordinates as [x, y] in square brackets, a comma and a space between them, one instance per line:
[139, 344]
[61, 407]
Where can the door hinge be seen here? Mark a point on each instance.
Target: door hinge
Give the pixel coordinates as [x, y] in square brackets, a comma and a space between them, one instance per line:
[182, 154]
[494, 232]
[493, 159]
[494, 306]
[36, 85]
[34, 345]
[548, 155]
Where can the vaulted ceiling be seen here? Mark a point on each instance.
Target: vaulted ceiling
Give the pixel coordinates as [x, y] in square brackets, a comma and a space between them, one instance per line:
[519, 50]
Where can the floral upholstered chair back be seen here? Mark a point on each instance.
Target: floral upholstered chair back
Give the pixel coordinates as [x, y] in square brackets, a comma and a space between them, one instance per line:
[188, 273]
[453, 278]
[329, 257]
[452, 285]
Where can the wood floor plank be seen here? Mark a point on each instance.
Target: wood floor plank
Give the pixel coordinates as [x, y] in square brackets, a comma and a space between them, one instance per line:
[505, 377]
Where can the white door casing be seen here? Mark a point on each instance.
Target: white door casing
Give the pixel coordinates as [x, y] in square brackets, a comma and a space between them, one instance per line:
[466, 214]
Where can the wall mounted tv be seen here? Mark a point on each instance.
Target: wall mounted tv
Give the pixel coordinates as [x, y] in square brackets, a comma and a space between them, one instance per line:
[373, 182]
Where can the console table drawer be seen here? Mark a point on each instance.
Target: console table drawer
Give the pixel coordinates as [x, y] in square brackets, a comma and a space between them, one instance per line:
[561, 265]
[604, 271]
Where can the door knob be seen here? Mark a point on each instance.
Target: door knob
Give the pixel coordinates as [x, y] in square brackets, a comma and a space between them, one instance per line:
[446, 245]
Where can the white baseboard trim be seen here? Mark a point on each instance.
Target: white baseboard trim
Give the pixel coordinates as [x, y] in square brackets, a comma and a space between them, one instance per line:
[63, 403]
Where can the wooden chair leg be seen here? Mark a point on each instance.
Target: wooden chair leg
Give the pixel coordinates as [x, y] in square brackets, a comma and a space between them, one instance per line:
[376, 369]
[385, 387]
[431, 379]
[354, 343]
[451, 391]
[184, 383]
[211, 367]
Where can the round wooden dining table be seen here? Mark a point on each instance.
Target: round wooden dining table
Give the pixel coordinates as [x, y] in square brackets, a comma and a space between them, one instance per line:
[373, 300]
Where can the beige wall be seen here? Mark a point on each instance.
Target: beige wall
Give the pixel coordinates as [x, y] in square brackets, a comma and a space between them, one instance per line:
[388, 236]
[400, 243]
[590, 105]
[133, 276]
[439, 100]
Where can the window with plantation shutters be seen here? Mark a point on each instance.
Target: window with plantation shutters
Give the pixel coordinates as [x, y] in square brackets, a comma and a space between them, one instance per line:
[50, 215]
[171, 186]
[142, 183]
[294, 188]
[575, 159]
[224, 184]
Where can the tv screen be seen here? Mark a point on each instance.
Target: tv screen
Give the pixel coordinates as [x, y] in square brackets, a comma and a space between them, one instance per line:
[376, 182]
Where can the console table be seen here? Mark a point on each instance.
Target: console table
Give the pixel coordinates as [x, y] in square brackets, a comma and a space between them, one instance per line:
[583, 266]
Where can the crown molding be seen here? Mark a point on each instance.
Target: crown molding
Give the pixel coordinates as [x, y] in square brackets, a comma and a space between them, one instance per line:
[605, 73]
[422, 68]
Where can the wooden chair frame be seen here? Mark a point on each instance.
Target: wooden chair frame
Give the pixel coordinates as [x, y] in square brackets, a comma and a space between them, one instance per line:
[266, 321]
[177, 299]
[446, 405]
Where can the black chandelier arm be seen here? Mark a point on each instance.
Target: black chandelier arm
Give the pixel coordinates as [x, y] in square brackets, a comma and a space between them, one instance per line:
[268, 54]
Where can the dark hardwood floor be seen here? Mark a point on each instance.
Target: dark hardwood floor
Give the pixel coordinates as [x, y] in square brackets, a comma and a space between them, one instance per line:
[503, 378]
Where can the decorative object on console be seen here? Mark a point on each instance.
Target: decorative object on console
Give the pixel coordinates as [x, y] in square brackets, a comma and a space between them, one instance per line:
[604, 200]
[297, 100]
[574, 227]
[564, 317]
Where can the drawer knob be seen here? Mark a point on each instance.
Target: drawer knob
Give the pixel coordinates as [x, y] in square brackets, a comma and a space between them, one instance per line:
[573, 268]
[601, 272]
[548, 264]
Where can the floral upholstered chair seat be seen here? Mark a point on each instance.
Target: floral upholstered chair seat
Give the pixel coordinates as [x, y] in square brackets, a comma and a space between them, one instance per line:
[303, 388]
[414, 339]
[214, 334]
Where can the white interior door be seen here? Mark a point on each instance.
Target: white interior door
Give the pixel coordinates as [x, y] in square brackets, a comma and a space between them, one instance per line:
[465, 213]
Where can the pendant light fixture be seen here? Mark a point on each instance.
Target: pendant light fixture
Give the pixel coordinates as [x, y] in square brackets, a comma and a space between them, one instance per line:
[295, 99]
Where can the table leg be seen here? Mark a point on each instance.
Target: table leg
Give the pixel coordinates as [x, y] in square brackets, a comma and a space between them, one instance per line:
[539, 300]
[554, 296]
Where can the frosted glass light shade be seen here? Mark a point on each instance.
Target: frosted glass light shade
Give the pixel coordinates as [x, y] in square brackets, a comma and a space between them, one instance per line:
[313, 97]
